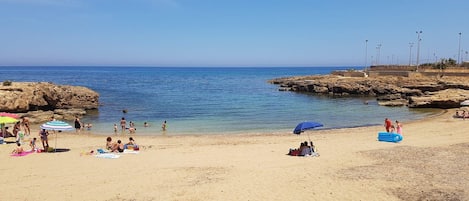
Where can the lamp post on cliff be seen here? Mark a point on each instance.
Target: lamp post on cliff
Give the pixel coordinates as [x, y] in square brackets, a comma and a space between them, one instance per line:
[459, 49]
[366, 53]
[410, 53]
[418, 48]
[378, 50]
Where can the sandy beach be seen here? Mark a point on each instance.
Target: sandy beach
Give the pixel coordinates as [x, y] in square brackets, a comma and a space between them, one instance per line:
[431, 163]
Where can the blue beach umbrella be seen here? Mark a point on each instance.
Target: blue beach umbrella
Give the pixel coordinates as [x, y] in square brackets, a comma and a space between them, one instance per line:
[56, 126]
[301, 127]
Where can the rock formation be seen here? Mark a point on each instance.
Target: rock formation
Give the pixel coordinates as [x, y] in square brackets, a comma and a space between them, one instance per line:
[60, 101]
[421, 92]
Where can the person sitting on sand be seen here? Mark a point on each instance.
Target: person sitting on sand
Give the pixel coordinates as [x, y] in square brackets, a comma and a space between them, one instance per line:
[7, 133]
[109, 144]
[305, 149]
[18, 149]
[119, 146]
[131, 144]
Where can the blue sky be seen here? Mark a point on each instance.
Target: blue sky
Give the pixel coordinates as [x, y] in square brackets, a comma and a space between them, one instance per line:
[229, 32]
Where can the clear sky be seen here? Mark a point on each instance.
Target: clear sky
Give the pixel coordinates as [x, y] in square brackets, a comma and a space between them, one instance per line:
[230, 32]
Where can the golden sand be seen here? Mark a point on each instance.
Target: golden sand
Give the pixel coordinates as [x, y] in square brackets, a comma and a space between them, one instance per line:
[431, 163]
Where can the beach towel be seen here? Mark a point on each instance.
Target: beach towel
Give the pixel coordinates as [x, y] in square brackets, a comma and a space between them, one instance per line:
[101, 151]
[128, 151]
[24, 153]
[107, 155]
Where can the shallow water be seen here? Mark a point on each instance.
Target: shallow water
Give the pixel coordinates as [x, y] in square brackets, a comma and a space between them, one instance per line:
[210, 100]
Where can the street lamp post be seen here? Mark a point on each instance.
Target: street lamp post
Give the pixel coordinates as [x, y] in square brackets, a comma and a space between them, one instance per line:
[418, 48]
[366, 53]
[410, 53]
[459, 49]
[378, 49]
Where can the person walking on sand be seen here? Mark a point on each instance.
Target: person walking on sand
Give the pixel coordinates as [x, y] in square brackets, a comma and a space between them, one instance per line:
[25, 123]
[398, 127]
[77, 124]
[387, 124]
[163, 126]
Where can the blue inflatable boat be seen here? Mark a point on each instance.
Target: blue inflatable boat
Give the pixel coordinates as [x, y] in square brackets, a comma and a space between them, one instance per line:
[389, 137]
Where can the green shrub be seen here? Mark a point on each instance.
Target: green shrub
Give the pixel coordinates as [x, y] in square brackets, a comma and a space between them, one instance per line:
[7, 83]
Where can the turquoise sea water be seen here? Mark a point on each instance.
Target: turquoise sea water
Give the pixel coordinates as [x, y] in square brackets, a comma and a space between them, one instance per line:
[197, 100]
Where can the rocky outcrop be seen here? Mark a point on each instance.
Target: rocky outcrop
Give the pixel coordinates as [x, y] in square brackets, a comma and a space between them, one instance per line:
[62, 100]
[429, 92]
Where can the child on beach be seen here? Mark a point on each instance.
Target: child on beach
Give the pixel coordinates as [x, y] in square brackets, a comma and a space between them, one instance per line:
[115, 128]
[32, 144]
[398, 127]
[18, 149]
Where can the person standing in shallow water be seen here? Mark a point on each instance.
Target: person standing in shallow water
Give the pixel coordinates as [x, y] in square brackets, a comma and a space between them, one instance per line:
[123, 124]
[163, 126]
[77, 124]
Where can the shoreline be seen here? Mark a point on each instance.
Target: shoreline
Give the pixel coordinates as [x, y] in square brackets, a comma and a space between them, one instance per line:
[242, 132]
[429, 164]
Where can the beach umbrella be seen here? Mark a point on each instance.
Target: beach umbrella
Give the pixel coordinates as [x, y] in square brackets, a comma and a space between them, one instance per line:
[6, 114]
[307, 125]
[7, 120]
[465, 103]
[56, 126]
[301, 127]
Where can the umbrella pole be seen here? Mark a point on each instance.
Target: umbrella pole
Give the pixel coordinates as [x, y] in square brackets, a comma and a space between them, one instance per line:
[3, 132]
[55, 146]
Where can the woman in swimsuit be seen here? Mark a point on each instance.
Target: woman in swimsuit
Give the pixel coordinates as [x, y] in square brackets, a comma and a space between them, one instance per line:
[77, 124]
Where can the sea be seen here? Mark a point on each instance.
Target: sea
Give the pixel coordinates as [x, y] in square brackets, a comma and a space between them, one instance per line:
[210, 100]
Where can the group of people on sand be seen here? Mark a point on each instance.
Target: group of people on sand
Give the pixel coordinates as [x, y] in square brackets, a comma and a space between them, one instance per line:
[461, 114]
[119, 146]
[20, 127]
[305, 149]
[79, 126]
[390, 128]
[32, 143]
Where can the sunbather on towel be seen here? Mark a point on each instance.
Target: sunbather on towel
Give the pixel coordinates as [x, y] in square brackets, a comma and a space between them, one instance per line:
[18, 149]
[110, 145]
[131, 144]
[120, 146]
